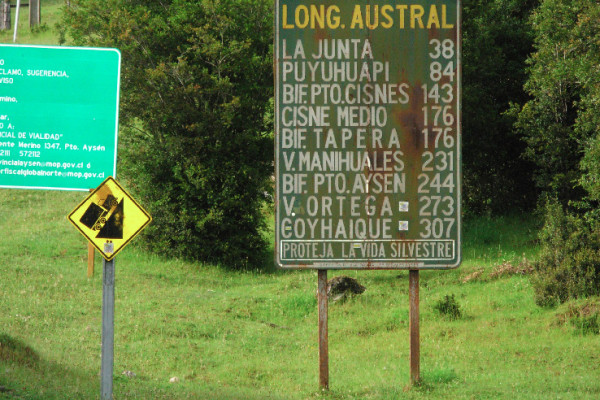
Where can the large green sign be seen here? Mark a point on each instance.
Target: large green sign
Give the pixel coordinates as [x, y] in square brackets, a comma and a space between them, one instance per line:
[368, 134]
[58, 116]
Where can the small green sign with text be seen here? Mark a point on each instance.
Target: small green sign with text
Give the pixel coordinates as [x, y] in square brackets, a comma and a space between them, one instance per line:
[58, 116]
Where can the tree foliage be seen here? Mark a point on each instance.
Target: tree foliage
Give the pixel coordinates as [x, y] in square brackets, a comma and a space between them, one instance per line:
[497, 39]
[197, 103]
[569, 262]
[562, 116]
[562, 126]
[588, 119]
[196, 82]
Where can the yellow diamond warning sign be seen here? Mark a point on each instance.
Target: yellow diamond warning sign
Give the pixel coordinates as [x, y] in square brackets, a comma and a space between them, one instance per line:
[109, 218]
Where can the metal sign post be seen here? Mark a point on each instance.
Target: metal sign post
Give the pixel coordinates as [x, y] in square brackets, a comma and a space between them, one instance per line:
[109, 218]
[108, 330]
[16, 21]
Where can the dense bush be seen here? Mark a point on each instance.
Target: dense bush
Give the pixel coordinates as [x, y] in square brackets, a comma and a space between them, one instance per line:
[196, 142]
[497, 39]
[563, 114]
[591, 167]
[561, 124]
[569, 263]
[196, 83]
[448, 307]
[587, 325]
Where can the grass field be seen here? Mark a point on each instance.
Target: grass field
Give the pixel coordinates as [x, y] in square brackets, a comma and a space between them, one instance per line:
[45, 33]
[253, 335]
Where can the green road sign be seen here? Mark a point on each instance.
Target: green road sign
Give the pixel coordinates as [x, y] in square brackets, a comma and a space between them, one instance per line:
[58, 116]
[368, 134]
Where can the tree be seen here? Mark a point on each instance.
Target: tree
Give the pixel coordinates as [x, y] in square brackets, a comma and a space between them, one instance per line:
[497, 39]
[588, 119]
[196, 82]
[562, 116]
[562, 126]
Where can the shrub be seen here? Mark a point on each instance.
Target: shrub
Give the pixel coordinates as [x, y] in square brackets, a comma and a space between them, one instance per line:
[497, 38]
[582, 315]
[569, 263]
[196, 81]
[448, 307]
[562, 116]
[586, 325]
[590, 165]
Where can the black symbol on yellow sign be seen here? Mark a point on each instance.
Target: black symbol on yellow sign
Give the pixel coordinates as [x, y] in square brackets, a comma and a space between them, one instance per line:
[109, 218]
[106, 218]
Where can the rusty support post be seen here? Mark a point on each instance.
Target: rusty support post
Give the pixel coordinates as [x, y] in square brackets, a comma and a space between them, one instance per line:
[323, 339]
[34, 13]
[91, 253]
[415, 351]
[4, 15]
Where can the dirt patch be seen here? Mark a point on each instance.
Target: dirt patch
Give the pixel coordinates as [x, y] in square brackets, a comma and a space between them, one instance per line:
[508, 269]
[587, 309]
[473, 276]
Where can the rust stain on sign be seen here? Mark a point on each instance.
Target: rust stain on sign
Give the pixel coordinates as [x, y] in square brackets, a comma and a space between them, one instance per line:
[367, 134]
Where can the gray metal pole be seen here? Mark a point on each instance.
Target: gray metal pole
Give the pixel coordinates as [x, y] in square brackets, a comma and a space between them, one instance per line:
[16, 21]
[108, 330]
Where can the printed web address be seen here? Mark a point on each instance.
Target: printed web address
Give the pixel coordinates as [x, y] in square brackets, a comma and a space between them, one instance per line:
[48, 164]
[60, 174]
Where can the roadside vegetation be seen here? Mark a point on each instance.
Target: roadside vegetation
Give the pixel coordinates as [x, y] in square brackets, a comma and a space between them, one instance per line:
[253, 335]
[202, 317]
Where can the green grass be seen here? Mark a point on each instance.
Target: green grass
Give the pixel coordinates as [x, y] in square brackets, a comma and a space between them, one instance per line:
[253, 335]
[45, 33]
